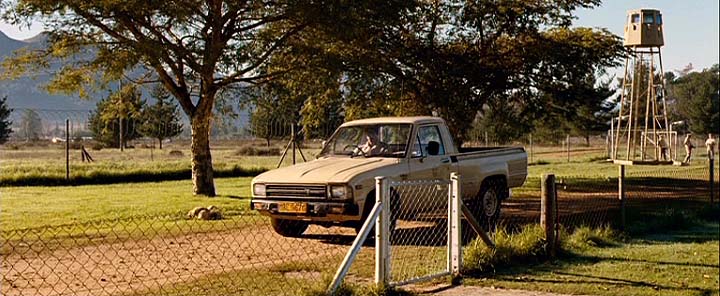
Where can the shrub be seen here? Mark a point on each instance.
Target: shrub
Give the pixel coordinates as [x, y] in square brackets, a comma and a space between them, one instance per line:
[584, 237]
[255, 151]
[528, 244]
[176, 153]
[97, 146]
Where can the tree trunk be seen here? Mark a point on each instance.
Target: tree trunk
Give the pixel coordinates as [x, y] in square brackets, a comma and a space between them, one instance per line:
[160, 141]
[202, 170]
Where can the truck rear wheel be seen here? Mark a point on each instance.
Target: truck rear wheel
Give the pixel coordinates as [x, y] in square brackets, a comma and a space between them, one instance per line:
[289, 228]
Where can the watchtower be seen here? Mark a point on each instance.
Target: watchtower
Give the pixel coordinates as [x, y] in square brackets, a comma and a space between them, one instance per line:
[642, 119]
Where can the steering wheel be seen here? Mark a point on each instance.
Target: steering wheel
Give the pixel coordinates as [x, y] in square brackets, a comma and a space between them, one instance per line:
[355, 147]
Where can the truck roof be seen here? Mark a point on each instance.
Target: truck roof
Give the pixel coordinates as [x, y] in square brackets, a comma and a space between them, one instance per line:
[409, 119]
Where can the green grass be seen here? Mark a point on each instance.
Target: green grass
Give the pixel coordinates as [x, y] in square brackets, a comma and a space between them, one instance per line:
[602, 262]
[45, 165]
[36, 207]
[678, 263]
[72, 216]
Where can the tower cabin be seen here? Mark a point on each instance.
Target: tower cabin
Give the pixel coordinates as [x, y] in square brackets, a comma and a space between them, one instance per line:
[643, 28]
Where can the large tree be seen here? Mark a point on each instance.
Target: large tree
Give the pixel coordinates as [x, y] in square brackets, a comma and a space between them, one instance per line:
[697, 99]
[5, 122]
[456, 59]
[195, 48]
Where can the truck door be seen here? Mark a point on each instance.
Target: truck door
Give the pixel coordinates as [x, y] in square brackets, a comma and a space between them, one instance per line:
[429, 161]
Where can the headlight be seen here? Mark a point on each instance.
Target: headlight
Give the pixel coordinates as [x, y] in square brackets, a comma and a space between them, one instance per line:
[340, 192]
[259, 189]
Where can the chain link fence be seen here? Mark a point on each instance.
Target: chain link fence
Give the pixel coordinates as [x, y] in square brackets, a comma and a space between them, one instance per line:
[240, 254]
[419, 230]
[160, 256]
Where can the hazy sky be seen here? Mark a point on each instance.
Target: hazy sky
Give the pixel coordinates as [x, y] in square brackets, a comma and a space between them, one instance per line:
[691, 28]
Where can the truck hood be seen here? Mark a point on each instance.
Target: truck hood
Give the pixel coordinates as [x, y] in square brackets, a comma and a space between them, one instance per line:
[326, 170]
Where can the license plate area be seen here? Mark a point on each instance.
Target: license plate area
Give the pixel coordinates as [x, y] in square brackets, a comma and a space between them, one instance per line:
[293, 207]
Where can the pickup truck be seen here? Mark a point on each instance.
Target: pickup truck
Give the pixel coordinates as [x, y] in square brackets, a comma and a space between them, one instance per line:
[338, 188]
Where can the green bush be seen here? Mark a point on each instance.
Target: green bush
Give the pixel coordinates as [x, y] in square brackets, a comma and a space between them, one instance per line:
[584, 237]
[528, 244]
[255, 151]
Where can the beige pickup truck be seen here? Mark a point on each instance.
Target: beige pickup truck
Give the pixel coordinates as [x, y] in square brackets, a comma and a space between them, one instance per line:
[338, 188]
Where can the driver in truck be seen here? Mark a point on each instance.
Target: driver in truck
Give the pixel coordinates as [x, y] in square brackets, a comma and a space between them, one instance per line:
[372, 144]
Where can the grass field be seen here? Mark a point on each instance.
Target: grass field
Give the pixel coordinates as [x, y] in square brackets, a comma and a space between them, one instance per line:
[683, 262]
[34, 207]
[77, 217]
[45, 164]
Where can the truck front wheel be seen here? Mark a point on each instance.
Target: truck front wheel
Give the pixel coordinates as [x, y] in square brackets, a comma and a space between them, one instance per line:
[289, 228]
[488, 210]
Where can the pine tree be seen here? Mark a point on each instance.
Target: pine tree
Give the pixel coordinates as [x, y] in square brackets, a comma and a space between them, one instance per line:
[162, 120]
[5, 122]
[105, 121]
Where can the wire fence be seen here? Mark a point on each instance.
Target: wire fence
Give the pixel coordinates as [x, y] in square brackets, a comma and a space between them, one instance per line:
[419, 230]
[240, 254]
[155, 256]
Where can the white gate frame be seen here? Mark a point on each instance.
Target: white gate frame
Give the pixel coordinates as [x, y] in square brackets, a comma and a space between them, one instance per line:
[380, 218]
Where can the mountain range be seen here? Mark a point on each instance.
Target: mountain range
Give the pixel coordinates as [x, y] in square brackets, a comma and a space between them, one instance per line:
[27, 92]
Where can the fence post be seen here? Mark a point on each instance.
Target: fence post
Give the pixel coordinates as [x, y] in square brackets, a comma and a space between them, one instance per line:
[292, 138]
[531, 148]
[547, 211]
[621, 194]
[567, 146]
[67, 149]
[454, 226]
[712, 178]
[382, 233]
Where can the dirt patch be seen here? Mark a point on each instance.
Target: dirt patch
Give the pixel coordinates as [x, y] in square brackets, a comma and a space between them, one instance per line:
[482, 291]
[109, 269]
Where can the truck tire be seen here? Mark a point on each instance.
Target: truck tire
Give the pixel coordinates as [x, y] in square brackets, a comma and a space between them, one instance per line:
[289, 228]
[487, 209]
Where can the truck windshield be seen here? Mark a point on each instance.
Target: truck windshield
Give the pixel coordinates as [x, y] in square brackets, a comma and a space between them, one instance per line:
[374, 140]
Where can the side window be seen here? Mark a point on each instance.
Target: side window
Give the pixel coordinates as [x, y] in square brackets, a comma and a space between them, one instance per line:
[658, 19]
[635, 18]
[428, 142]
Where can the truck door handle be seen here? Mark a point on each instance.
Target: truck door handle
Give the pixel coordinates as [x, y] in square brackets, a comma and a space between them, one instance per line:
[445, 160]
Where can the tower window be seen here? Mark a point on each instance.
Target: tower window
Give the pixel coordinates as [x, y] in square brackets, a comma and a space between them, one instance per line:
[658, 19]
[635, 18]
[648, 18]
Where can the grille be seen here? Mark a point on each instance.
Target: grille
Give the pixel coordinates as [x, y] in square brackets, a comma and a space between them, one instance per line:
[296, 191]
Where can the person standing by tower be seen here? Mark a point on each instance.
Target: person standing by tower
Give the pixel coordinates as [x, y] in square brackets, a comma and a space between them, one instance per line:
[710, 144]
[688, 148]
[663, 148]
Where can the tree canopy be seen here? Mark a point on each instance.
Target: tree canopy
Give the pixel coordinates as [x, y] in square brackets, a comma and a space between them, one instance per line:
[194, 48]
[696, 97]
[454, 59]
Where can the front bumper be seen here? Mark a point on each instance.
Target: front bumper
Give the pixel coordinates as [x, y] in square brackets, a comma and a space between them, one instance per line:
[320, 211]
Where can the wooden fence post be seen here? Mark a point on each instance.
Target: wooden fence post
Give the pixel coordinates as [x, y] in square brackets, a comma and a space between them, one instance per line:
[67, 149]
[567, 146]
[621, 194]
[547, 211]
[712, 179]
